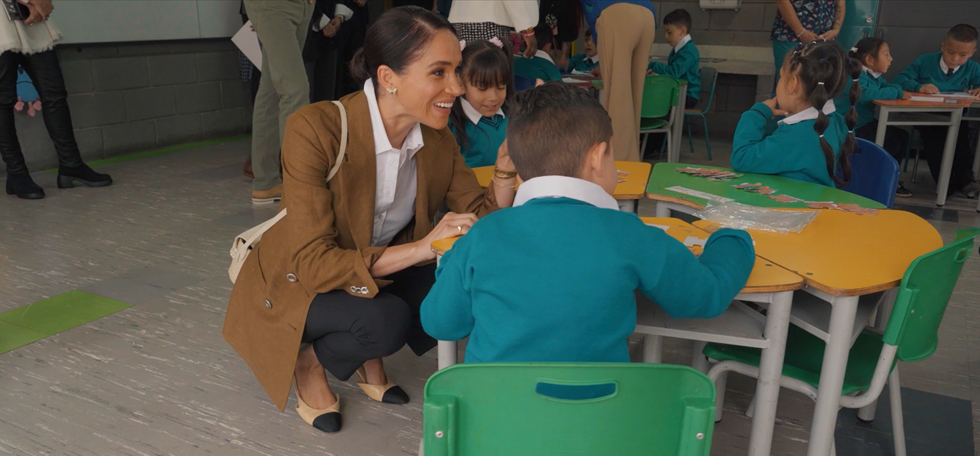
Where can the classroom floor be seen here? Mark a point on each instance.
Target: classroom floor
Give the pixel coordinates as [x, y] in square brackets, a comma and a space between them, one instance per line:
[153, 376]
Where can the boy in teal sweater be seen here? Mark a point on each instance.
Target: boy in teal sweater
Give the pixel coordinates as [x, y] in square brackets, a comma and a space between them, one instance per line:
[552, 279]
[948, 71]
[684, 61]
[586, 62]
[542, 66]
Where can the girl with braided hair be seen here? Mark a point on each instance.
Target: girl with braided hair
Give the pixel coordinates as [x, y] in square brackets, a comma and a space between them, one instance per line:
[813, 140]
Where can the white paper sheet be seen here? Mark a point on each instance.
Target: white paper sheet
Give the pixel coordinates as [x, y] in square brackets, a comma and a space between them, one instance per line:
[248, 42]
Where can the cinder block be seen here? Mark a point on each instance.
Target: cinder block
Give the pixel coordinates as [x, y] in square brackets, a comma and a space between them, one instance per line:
[129, 137]
[199, 97]
[748, 18]
[120, 73]
[144, 48]
[227, 122]
[218, 66]
[178, 129]
[86, 52]
[149, 103]
[234, 94]
[90, 143]
[172, 69]
[97, 109]
[78, 76]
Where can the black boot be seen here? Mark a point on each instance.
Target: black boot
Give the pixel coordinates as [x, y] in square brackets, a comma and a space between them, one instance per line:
[83, 175]
[24, 187]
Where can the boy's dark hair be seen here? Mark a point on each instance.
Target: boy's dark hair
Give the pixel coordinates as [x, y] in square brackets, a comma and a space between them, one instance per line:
[964, 33]
[823, 69]
[551, 129]
[396, 40]
[679, 17]
[545, 35]
[484, 65]
[867, 46]
[589, 35]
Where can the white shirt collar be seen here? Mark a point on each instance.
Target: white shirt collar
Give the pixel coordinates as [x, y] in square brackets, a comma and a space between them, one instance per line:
[593, 59]
[685, 40]
[809, 114]
[564, 187]
[473, 114]
[413, 142]
[873, 73]
[544, 55]
[942, 64]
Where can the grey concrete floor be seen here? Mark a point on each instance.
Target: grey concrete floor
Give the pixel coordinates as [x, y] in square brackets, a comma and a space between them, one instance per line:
[157, 378]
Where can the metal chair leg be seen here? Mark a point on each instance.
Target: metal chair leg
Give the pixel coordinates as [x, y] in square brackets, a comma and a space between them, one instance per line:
[653, 349]
[707, 142]
[690, 135]
[643, 144]
[720, 386]
[898, 421]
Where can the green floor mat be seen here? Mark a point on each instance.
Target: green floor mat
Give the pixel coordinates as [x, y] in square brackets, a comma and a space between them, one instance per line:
[13, 336]
[52, 316]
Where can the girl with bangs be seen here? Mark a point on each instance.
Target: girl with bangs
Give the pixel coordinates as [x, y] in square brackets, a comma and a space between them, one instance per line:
[479, 119]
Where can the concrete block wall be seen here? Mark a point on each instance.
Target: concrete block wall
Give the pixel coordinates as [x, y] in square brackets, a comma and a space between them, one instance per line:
[133, 97]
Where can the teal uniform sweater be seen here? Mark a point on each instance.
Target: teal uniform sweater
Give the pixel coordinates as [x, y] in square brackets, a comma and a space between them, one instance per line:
[872, 88]
[684, 64]
[791, 151]
[483, 140]
[581, 62]
[553, 280]
[536, 68]
[926, 70]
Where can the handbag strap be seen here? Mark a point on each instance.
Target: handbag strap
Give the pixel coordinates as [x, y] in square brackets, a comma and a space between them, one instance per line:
[343, 140]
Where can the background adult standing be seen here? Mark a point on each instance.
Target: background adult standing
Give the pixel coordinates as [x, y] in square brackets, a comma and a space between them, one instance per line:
[281, 26]
[802, 21]
[624, 33]
[564, 18]
[481, 20]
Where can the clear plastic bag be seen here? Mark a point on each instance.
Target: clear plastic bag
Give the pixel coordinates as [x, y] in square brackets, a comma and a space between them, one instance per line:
[745, 217]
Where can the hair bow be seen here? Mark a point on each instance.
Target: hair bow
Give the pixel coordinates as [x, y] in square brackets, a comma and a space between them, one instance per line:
[462, 45]
[496, 42]
[854, 49]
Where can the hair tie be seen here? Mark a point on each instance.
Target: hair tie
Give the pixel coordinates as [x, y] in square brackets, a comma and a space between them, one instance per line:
[821, 136]
[857, 80]
[462, 45]
[496, 42]
[820, 83]
[854, 49]
[850, 132]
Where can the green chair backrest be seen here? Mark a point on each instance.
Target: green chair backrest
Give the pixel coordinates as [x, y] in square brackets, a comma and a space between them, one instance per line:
[923, 297]
[659, 95]
[568, 409]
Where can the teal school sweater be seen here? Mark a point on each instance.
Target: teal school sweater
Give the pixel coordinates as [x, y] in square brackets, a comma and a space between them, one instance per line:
[536, 68]
[872, 88]
[483, 140]
[926, 70]
[581, 62]
[791, 151]
[548, 281]
[684, 64]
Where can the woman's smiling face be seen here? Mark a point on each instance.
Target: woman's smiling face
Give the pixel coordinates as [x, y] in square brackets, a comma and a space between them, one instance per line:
[429, 86]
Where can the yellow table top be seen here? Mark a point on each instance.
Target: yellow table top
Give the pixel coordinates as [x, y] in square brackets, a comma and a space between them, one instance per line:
[765, 278]
[847, 254]
[633, 189]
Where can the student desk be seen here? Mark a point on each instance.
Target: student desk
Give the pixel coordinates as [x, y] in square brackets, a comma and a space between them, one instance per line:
[691, 193]
[842, 256]
[902, 110]
[768, 284]
[627, 193]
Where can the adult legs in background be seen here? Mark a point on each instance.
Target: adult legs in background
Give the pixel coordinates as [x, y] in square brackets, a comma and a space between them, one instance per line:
[281, 26]
[779, 51]
[933, 143]
[625, 33]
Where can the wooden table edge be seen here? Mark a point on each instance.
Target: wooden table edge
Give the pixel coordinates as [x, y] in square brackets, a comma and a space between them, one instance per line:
[674, 199]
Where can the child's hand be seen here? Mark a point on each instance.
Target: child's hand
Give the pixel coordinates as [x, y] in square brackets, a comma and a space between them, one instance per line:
[907, 95]
[773, 105]
[974, 92]
[928, 88]
[596, 72]
[650, 73]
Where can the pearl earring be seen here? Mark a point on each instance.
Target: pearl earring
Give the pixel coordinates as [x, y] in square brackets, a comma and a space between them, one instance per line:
[392, 91]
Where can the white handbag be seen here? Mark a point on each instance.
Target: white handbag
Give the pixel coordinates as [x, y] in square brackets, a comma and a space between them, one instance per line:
[244, 242]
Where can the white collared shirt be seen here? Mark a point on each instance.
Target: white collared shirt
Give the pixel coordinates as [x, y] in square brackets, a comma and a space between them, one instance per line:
[942, 64]
[564, 187]
[544, 55]
[873, 73]
[338, 11]
[593, 59]
[473, 114]
[809, 114]
[397, 178]
[683, 41]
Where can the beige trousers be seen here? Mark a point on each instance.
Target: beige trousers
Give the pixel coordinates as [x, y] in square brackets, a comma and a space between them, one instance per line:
[625, 32]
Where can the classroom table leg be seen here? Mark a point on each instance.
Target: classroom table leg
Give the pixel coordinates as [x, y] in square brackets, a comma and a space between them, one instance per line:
[447, 353]
[883, 114]
[950, 149]
[770, 371]
[844, 310]
[628, 205]
[662, 211]
[677, 129]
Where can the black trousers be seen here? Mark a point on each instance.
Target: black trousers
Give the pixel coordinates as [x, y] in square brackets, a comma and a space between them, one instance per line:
[346, 330]
[45, 72]
[933, 142]
[896, 139]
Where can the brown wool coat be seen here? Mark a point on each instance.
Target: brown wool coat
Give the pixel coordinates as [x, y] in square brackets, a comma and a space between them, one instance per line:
[324, 242]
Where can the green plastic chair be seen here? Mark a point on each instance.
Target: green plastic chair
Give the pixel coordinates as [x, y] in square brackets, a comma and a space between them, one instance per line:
[912, 334]
[709, 79]
[568, 409]
[660, 95]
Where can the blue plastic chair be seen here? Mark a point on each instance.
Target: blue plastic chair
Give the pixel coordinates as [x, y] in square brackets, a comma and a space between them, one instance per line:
[521, 84]
[874, 173]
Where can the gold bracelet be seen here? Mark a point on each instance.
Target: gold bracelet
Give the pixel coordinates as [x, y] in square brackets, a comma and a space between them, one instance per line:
[513, 186]
[497, 172]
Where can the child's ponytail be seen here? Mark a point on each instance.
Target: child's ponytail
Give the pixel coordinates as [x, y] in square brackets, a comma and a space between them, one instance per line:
[819, 98]
[851, 118]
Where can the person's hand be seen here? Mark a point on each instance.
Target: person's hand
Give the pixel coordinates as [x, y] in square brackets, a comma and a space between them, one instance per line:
[774, 106]
[503, 157]
[596, 72]
[808, 36]
[906, 95]
[332, 27]
[360, 2]
[650, 73]
[451, 225]
[974, 92]
[531, 46]
[35, 15]
[832, 34]
[928, 88]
